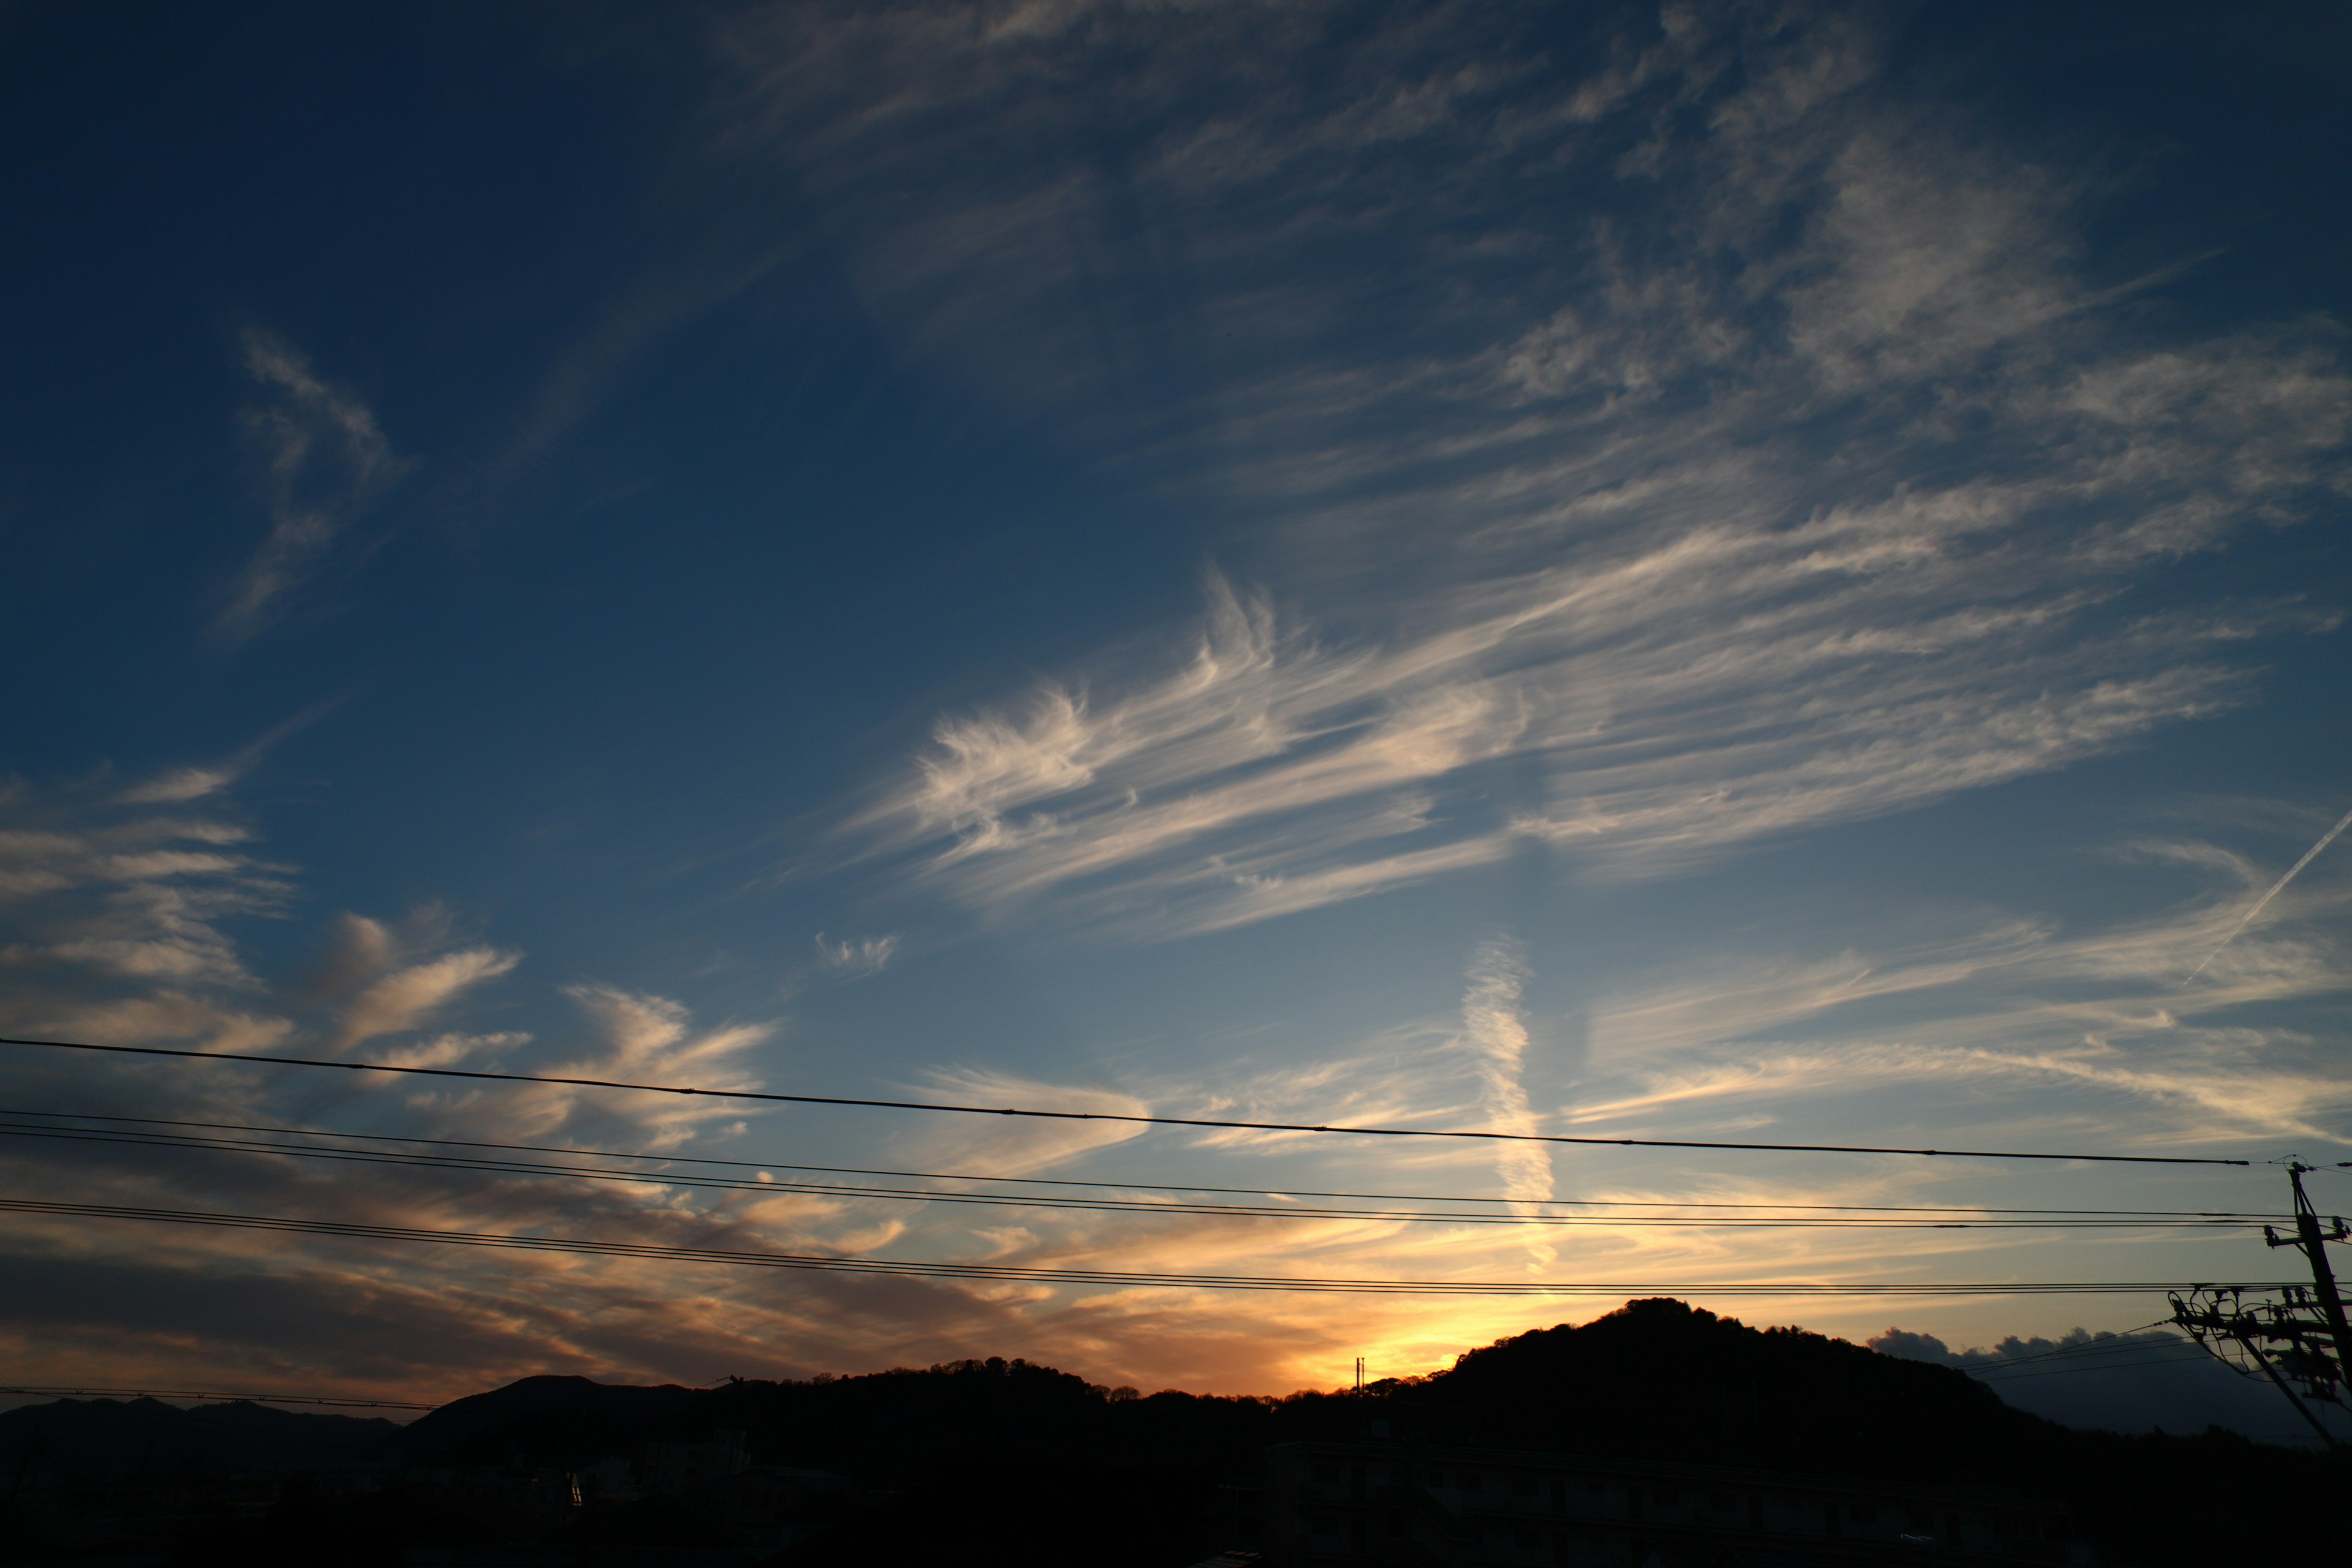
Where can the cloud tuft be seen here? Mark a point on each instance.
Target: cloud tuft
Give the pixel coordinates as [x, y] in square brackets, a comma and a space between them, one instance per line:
[326, 463]
[857, 957]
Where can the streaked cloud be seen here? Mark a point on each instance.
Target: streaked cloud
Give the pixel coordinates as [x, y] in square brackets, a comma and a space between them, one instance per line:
[186, 781]
[1610, 464]
[1986, 1025]
[1821, 480]
[400, 1000]
[1014, 1145]
[450, 1050]
[2273, 892]
[327, 461]
[181, 785]
[1751, 1042]
[1496, 1036]
[125, 898]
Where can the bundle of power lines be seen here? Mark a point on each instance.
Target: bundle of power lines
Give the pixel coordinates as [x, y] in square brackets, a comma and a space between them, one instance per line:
[553, 1164]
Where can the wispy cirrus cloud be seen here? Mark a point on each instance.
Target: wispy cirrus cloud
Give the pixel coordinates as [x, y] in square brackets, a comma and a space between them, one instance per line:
[1018, 1146]
[2082, 1033]
[1641, 453]
[1496, 1035]
[379, 977]
[1756, 1043]
[2271, 892]
[121, 921]
[1788, 466]
[857, 957]
[186, 781]
[398, 1002]
[327, 462]
[105, 899]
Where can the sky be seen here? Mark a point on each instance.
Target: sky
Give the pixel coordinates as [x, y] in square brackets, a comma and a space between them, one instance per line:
[1718, 572]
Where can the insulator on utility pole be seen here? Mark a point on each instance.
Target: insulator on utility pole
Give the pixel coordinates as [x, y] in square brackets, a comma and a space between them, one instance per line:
[2303, 1337]
[2313, 1241]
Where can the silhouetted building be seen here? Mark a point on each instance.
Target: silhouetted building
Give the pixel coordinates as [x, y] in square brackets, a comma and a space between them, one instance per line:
[684, 1469]
[1364, 1502]
[611, 1480]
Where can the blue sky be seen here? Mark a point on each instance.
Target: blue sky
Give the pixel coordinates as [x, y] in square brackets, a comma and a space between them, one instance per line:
[1723, 572]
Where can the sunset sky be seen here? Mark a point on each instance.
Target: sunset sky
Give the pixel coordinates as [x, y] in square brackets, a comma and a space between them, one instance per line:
[1730, 573]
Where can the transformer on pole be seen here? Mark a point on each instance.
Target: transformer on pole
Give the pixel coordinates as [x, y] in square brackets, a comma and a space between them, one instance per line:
[2301, 1342]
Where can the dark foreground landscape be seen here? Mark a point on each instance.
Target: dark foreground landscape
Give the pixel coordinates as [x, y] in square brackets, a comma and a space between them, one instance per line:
[1659, 1434]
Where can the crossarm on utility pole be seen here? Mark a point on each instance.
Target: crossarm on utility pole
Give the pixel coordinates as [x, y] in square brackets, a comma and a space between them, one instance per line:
[2312, 1241]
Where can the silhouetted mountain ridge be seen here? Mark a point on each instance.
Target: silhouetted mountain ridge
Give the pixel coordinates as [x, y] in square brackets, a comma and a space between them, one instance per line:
[1656, 1380]
[546, 1405]
[1664, 1380]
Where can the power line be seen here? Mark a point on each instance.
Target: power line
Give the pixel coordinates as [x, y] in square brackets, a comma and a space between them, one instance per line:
[1748, 1218]
[42, 1391]
[1117, 1116]
[1963, 1210]
[356, 1230]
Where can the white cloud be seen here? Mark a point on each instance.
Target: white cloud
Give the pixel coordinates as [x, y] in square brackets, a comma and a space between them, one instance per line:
[182, 783]
[1496, 1036]
[1816, 482]
[1015, 1145]
[123, 896]
[186, 781]
[449, 1050]
[2276, 887]
[1670, 1050]
[856, 957]
[634, 1036]
[2062, 1037]
[362, 949]
[406, 997]
[327, 461]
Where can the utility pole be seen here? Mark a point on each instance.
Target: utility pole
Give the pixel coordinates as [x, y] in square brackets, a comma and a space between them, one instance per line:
[2313, 1241]
[2291, 1340]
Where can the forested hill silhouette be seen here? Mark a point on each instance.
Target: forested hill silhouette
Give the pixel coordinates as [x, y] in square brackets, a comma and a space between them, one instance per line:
[1063, 1470]
[1657, 1379]
[1663, 1380]
[573, 1412]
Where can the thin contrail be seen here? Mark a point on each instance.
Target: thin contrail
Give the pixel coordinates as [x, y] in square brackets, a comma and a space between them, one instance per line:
[2247, 919]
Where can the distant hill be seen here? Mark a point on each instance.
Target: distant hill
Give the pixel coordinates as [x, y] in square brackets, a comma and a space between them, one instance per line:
[1068, 1472]
[1663, 1379]
[570, 1412]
